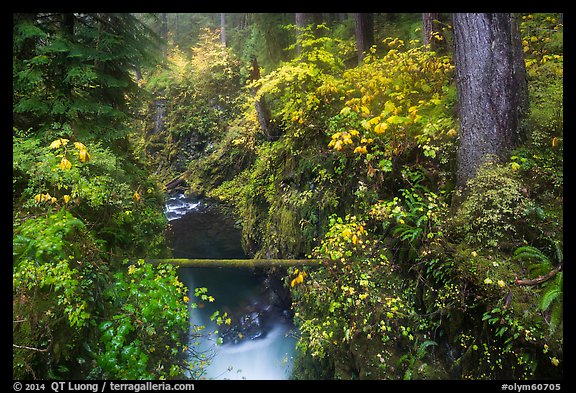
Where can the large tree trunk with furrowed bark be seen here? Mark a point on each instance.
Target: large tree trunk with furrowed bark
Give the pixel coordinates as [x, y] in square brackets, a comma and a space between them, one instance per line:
[491, 86]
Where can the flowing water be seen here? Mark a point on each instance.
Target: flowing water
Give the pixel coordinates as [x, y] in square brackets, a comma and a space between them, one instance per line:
[260, 342]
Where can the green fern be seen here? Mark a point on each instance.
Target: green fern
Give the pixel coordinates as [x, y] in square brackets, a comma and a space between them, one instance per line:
[552, 293]
[552, 300]
[541, 263]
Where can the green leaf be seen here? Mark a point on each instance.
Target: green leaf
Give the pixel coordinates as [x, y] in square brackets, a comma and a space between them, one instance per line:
[422, 348]
[385, 165]
[549, 297]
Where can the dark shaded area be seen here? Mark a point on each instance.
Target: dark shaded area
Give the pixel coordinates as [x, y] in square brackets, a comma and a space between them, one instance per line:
[205, 233]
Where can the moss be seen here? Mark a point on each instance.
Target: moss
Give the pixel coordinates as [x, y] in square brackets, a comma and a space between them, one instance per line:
[493, 209]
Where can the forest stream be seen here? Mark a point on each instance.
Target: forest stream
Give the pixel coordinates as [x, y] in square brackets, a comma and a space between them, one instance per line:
[260, 342]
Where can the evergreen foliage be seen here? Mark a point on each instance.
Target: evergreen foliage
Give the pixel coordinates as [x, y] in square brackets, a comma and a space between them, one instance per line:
[75, 72]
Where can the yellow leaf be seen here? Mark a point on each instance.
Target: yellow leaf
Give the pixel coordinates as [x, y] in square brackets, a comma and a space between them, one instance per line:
[66, 198]
[380, 128]
[298, 279]
[346, 233]
[83, 155]
[58, 142]
[79, 146]
[374, 120]
[360, 149]
[389, 107]
[65, 164]
[555, 142]
[345, 110]
[136, 196]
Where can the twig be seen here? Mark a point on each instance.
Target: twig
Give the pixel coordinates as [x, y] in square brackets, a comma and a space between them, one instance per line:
[29, 348]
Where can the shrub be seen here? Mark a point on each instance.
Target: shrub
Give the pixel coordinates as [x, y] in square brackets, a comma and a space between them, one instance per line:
[494, 208]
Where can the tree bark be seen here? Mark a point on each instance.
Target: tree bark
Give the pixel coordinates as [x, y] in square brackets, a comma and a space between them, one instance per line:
[263, 113]
[304, 19]
[164, 36]
[431, 27]
[491, 87]
[364, 28]
[223, 28]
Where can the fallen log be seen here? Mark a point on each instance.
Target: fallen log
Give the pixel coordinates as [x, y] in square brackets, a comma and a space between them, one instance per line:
[176, 182]
[237, 263]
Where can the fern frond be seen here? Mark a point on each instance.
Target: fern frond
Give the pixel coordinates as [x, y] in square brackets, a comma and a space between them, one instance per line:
[530, 253]
[542, 264]
[552, 299]
[556, 317]
[549, 297]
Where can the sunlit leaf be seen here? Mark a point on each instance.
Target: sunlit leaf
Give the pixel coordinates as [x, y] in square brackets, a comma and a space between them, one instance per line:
[83, 155]
[65, 164]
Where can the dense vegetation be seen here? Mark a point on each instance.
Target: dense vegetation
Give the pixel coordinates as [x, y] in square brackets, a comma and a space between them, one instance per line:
[317, 156]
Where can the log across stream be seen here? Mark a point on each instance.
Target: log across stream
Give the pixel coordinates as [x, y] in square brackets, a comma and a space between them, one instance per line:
[235, 263]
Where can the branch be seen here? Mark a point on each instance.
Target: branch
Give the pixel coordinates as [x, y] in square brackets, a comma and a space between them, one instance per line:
[29, 348]
[541, 279]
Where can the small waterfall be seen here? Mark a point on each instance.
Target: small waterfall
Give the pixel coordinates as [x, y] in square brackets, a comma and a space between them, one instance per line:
[179, 205]
[259, 343]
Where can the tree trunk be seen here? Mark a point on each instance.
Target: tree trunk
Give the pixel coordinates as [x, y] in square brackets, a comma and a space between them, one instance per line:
[432, 30]
[304, 19]
[491, 87]
[264, 116]
[164, 36]
[223, 28]
[160, 101]
[177, 29]
[364, 25]
[160, 111]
